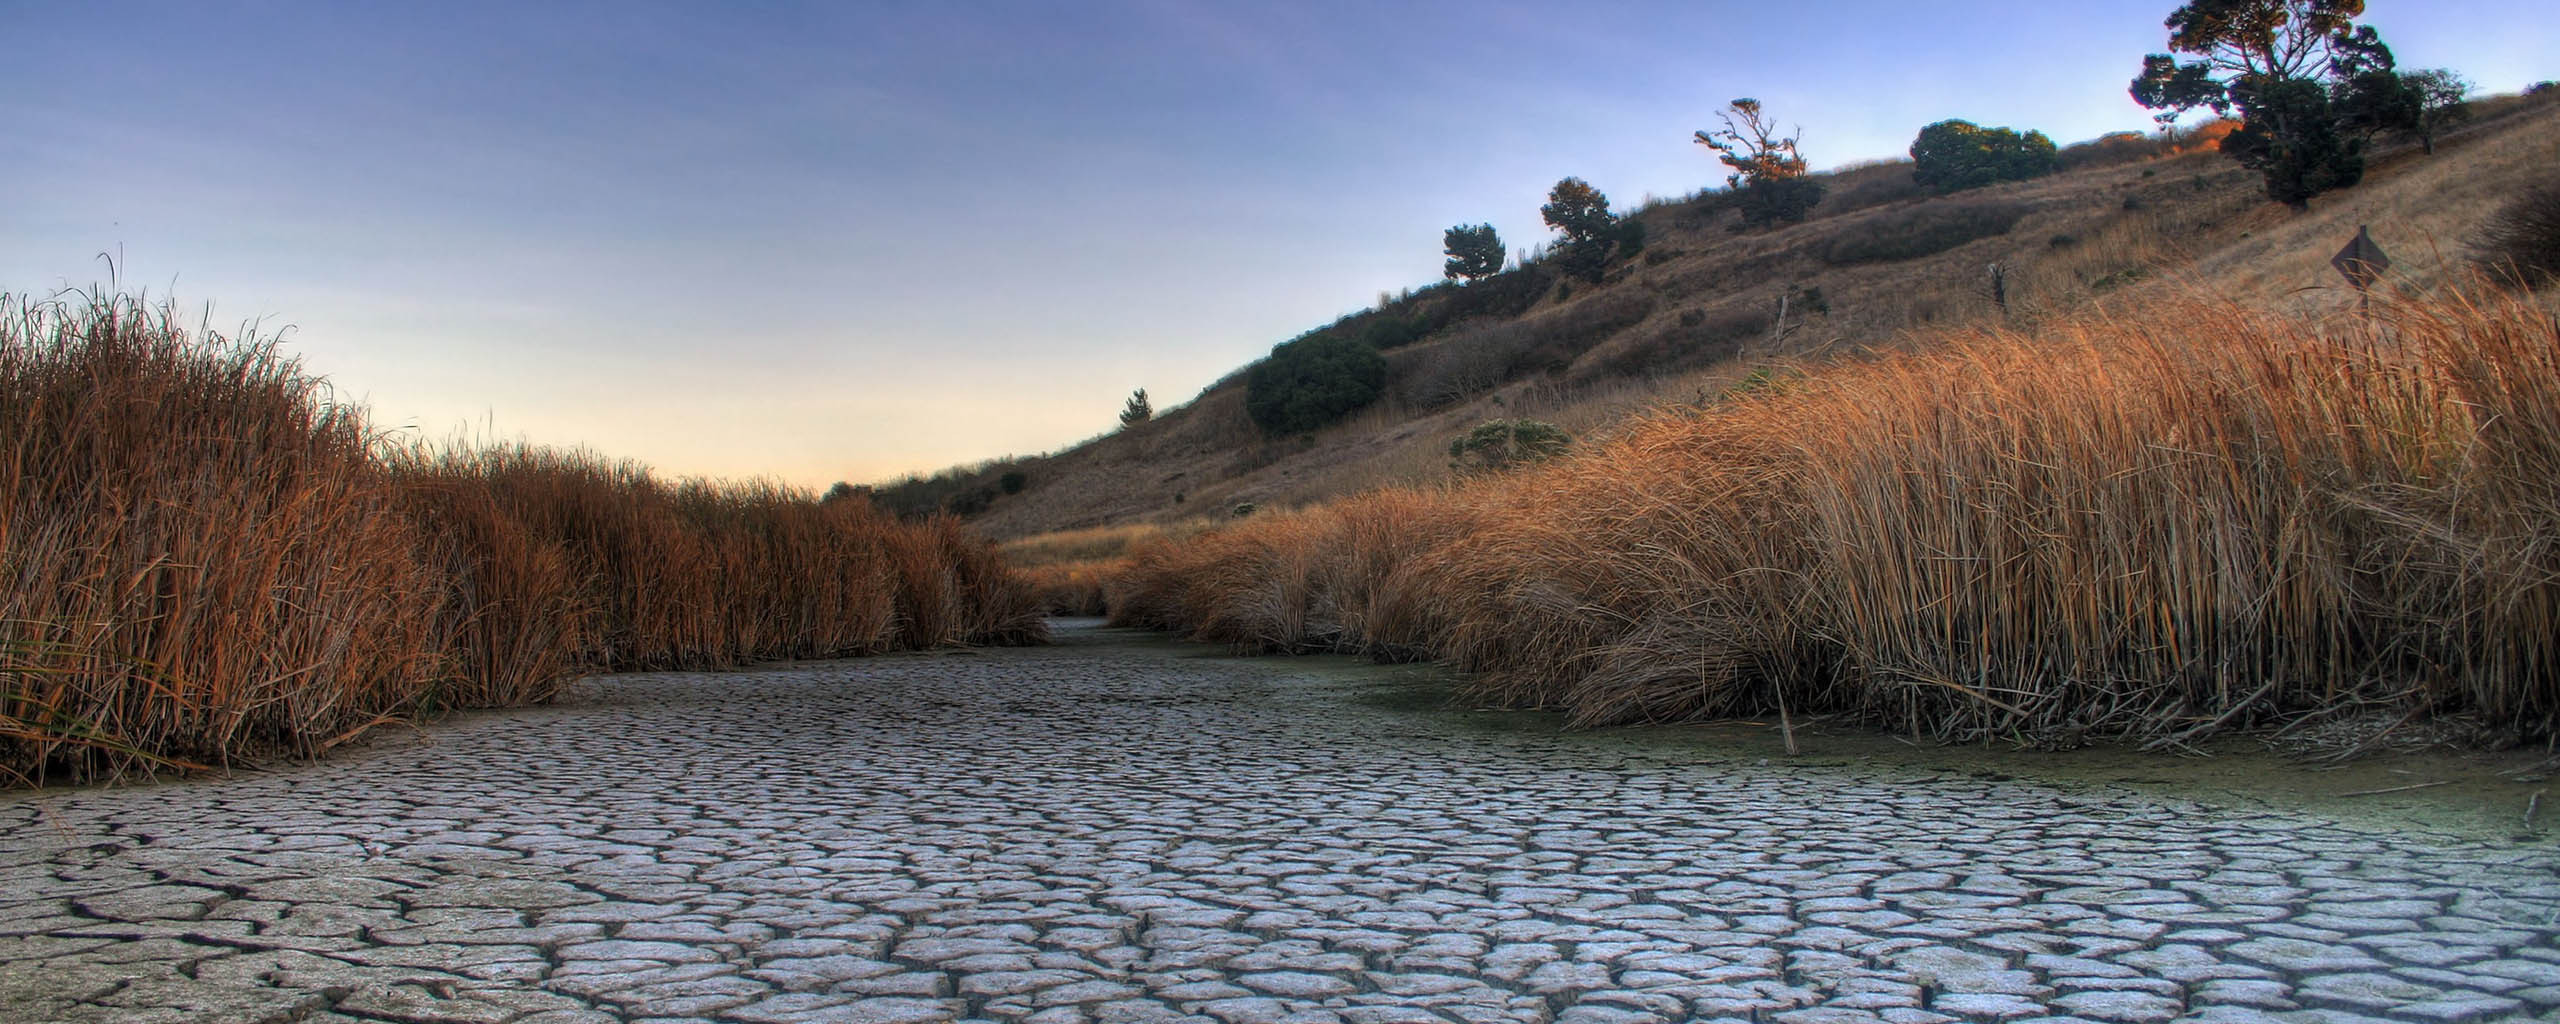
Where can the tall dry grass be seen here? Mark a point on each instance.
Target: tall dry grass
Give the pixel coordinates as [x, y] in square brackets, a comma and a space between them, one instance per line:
[2153, 524]
[204, 556]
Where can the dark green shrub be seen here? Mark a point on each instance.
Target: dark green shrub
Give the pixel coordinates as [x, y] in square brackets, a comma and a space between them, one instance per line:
[1922, 231]
[1770, 201]
[2297, 139]
[1630, 237]
[1012, 482]
[1312, 381]
[1502, 296]
[1384, 331]
[1585, 261]
[2522, 240]
[970, 502]
[1951, 156]
[1498, 445]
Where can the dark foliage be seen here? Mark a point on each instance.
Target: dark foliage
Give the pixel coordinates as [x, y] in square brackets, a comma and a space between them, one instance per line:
[1475, 252]
[1312, 381]
[1578, 210]
[1498, 445]
[2296, 139]
[1951, 156]
[1590, 230]
[1502, 296]
[1777, 200]
[2521, 242]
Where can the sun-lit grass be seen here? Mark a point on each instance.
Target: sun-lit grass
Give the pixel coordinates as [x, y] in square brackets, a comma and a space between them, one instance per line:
[202, 556]
[1095, 543]
[2180, 517]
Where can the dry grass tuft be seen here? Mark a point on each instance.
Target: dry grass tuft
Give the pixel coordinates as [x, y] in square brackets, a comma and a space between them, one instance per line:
[202, 556]
[2147, 526]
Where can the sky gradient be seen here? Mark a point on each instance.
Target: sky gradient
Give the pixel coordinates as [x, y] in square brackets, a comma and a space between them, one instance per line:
[823, 242]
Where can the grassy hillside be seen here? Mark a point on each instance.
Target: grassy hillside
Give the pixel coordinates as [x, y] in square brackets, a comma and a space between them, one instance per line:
[2179, 485]
[1881, 265]
[2153, 521]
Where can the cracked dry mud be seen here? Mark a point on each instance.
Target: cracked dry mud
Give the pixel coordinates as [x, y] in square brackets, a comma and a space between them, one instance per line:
[1122, 829]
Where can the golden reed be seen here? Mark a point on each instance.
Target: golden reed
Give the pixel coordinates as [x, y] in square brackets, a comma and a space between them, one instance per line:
[2151, 524]
[204, 557]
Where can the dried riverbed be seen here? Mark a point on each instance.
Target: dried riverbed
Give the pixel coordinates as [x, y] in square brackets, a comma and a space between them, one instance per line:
[1120, 828]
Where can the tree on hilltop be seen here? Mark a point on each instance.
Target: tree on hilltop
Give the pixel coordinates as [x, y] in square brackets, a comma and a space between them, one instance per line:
[1582, 214]
[1475, 253]
[1770, 178]
[1137, 410]
[2412, 104]
[2292, 69]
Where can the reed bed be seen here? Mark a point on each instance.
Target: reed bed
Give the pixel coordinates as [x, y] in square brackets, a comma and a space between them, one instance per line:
[1072, 588]
[205, 557]
[2149, 525]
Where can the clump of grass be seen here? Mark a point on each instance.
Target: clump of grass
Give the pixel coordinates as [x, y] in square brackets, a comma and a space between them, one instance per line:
[1071, 588]
[2149, 526]
[1093, 543]
[2521, 242]
[203, 556]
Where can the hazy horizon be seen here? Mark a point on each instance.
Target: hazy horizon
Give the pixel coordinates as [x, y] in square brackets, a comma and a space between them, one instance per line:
[822, 242]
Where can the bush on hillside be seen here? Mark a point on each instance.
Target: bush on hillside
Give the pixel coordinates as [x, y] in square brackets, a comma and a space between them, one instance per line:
[2299, 138]
[1951, 156]
[1922, 231]
[1778, 200]
[2521, 242]
[1312, 381]
[1498, 445]
[1501, 297]
[959, 490]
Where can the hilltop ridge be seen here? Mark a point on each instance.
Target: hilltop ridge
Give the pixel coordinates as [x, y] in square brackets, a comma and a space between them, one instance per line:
[1704, 304]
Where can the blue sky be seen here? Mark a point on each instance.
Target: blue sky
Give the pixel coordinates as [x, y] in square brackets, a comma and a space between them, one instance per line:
[844, 241]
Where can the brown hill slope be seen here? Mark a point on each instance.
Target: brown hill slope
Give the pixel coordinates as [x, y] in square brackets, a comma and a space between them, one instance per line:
[1705, 304]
